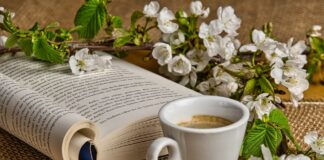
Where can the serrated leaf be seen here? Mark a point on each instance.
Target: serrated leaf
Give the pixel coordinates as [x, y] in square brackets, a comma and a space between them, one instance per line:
[44, 51]
[249, 87]
[135, 17]
[91, 16]
[11, 41]
[265, 85]
[261, 134]
[26, 45]
[279, 118]
[120, 41]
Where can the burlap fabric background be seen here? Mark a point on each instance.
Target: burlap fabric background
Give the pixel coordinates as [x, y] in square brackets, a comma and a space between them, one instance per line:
[290, 18]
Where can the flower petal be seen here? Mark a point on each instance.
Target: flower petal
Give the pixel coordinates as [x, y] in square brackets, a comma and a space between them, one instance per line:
[248, 48]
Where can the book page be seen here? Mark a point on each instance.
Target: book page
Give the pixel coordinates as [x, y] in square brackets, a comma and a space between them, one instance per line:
[36, 119]
[112, 99]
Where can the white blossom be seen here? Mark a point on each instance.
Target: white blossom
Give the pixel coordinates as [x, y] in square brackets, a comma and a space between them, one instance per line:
[179, 65]
[267, 155]
[281, 70]
[198, 58]
[162, 52]
[315, 142]
[296, 86]
[83, 62]
[205, 87]
[227, 20]
[294, 157]
[215, 44]
[197, 9]
[280, 51]
[223, 47]
[3, 40]
[260, 42]
[254, 158]
[295, 52]
[177, 38]
[209, 32]
[165, 23]
[316, 31]
[263, 104]
[151, 9]
[1, 16]
[224, 84]
[191, 78]
[212, 87]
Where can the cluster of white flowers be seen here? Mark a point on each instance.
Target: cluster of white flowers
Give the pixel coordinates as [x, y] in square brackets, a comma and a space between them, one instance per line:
[289, 73]
[228, 22]
[83, 62]
[187, 65]
[316, 143]
[263, 104]
[222, 84]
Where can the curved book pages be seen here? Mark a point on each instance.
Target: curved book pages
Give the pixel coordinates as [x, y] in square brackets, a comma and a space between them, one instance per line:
[106, 115]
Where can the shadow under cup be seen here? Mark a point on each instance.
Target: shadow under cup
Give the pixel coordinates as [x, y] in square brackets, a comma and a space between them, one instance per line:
[221, 143]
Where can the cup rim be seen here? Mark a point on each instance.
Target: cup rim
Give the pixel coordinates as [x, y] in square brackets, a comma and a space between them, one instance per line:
[244, 118]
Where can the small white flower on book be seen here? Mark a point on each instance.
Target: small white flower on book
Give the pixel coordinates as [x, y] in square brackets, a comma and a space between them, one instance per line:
[83, 62]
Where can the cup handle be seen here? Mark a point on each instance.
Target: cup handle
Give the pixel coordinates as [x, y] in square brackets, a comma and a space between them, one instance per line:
[157, 146]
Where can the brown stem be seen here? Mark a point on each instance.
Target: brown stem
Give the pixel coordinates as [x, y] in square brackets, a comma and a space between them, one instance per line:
[93, 46]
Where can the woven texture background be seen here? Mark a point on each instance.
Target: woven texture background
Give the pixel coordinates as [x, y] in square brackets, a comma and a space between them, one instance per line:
[291, 18]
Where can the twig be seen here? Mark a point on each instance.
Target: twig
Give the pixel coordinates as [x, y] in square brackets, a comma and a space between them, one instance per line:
[93, 46]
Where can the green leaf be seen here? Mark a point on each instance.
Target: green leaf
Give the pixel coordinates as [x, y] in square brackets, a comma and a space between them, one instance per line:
[116, 22]
[52, 25]
[122, 41]
[135, 17]
[261, 134]
[311, 69]
[279, 118]
[26, 45]
[249, 87]
[44, 51]
[91, 16]
[11, 41]
[317, 43]
[265, 85]
[35, 27]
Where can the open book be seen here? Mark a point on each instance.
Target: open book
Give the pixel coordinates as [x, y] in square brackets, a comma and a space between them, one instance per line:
[111, 113]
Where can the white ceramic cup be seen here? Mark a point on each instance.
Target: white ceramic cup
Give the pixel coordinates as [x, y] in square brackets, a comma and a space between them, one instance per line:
[185, 143]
